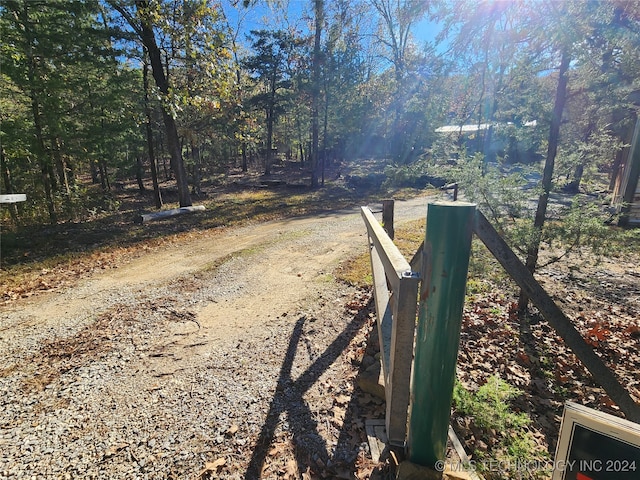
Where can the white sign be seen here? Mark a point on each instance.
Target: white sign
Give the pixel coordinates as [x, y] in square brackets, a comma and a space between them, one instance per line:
[13, 198]
[596, 446]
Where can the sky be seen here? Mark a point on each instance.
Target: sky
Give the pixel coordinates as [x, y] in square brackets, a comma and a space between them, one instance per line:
[426, 30]
[261, 16]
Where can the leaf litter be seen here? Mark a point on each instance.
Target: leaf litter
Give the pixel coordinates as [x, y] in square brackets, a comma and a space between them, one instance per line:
[602, 300]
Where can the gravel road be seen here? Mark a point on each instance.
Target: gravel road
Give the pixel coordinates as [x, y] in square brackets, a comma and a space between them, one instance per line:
[229, 355]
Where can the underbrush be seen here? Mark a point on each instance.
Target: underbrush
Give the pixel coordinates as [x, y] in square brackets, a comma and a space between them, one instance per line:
[95, 227]
[504, 441]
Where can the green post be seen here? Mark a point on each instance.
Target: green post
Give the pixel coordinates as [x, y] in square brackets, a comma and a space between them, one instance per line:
[447, 248]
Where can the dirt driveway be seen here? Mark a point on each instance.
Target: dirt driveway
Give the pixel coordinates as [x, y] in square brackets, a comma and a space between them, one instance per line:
[229, 355]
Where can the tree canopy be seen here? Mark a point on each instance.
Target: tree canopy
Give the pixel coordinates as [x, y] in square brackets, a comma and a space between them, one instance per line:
[327, 81]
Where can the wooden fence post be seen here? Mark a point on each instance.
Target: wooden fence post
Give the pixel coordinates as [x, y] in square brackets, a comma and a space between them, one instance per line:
[387, 217]
[445, 263]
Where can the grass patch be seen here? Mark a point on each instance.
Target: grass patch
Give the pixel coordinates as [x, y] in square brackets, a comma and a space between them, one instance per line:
[490, 405]
[245, 252]
[484, 270]
[219, 262]
[409, 236]
[504, 439]
[357, 270]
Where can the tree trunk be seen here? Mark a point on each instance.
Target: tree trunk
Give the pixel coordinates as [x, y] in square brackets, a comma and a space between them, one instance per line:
[315, 89]
[94, 172]
[547, 176]
[244, 157]
[270, 114]
[163, 155]
[61, 166]
[197, 168]
[300, 140]
[102, 166]
[157, 69]
[267, 161]
[325, 127]
[139, 174]
[63, 175]
[157, 196]
[574, 186]
[175, 154]
[626, 136]
[8, 187]
[104, 175]
[633, 163]
[615, 169]
[44, 162]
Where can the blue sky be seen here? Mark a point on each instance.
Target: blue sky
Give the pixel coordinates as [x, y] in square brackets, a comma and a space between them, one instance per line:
[260, 16]
[426, 30]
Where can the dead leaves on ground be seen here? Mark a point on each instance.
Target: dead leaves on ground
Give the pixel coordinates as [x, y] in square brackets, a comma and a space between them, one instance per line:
[212, 469]
[62, 355]
[533, 357]
[25, 282]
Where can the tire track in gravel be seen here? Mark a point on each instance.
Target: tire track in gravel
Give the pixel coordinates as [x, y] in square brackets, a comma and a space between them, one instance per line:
[292, 252]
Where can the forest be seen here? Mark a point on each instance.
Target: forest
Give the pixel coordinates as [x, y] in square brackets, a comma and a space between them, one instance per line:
[97, 94]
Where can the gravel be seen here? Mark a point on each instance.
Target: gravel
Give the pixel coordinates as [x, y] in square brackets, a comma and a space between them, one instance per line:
[237, 370]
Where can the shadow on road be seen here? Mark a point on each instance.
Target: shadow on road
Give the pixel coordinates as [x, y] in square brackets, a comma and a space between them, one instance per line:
[310, 448]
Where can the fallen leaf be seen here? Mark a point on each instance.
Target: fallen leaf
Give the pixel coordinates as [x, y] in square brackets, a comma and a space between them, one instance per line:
[212, 467]
[115, 449]
[232, 429]
[277, 449]
[633, 331]
[215, 464]
[291, 470]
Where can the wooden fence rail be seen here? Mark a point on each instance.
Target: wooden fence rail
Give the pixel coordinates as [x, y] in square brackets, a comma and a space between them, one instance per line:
[395, 294]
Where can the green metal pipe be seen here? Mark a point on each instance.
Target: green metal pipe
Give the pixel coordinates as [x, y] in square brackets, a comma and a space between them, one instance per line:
[447, 248]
